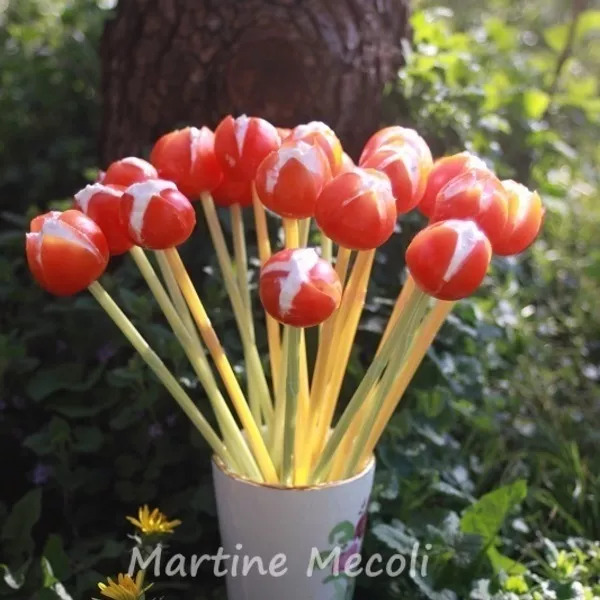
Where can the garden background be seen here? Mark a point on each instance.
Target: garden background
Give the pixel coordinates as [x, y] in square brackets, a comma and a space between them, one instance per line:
[493, 457]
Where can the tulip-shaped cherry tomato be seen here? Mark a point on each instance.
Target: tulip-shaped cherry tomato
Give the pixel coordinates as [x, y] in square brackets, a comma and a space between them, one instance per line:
[284, 133]
[525, 214]
[291, 178]
[478, 195]
[357, 209]
[129, 170]
[323, 135]
[231, 191]
[396, 135]
[448, 260]
[241, 145]
[402, 164]
[444, 170]
[187, 157]
[347, 163]
[298, 288]
[102, 203]
[66, 252]
[157, 214]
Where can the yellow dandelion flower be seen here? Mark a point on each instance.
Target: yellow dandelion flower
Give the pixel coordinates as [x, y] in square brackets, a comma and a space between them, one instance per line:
[153, 522]
[125, 588]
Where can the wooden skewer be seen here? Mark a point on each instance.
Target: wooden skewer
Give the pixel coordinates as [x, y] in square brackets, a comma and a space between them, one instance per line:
[253, 362]
[408, 323]
[195, 352]
[241, 265]
[405, 293]
[222, 363]
[321, 370]
[346, 325]
[423, 340]
[302, 451]
[292, 389]
[264, 253]
[371, 377]
[160, 370]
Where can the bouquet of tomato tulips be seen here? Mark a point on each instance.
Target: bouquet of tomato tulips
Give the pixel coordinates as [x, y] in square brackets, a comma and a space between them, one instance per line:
[282, 428]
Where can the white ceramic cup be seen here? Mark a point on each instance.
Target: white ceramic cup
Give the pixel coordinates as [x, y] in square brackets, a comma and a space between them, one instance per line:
[291, 543]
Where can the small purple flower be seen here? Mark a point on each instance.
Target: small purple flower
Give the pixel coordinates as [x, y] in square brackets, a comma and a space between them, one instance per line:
[155, 431]
[41, 474]
[105, 352]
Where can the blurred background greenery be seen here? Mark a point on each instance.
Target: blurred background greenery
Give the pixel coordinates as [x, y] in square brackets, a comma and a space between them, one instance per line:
[509, 392]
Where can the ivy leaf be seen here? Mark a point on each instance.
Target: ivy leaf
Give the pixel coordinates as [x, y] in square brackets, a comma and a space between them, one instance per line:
[395, 536]
[485, 518]
[16, 532]
[487, 515]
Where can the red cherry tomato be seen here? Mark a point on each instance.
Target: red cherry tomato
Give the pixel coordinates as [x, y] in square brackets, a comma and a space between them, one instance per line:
[291, 178]
[357, 209]
[129, 170]
[102, 203]
[241, 145]
[401, 163]
[231, 191]
[323, 135]
[525, 215]
[66, 252]
[448, 260]
[157, 214]
[444, 170]
[298, 288]
[347, 163]
[476, 195]
[187, 157]
[396, 135]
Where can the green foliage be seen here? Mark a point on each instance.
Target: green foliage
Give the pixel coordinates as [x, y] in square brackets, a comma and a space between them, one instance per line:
[491, 466]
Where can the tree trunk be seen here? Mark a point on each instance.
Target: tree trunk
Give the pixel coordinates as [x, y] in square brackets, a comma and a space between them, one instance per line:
[169, 63]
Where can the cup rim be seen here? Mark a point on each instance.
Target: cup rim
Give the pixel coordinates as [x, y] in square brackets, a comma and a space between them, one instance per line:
[218, 463]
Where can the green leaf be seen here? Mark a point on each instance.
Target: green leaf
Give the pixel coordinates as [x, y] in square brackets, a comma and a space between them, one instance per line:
[16, 531]
[487, 515]
[395, 536]
[63, 377]
[54, 588]
[589, 20]
[504, 563]
[55, 553]
[535, 103]
[87, 439]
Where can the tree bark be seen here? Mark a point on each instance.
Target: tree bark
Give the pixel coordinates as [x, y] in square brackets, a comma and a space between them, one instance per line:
[170, 63]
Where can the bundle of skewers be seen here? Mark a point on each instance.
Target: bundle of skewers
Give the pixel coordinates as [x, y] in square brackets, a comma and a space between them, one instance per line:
[286, 424]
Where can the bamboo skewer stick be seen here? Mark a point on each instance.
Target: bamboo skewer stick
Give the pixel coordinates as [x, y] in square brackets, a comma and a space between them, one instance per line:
[277, 432]
[346, 324]
[292, 390]
[409, 322]
[176, 296]
[321, 373]
[222, 363]
[422, 341]
[195, 353]
[370, 379]
[302, 448]
[406, 291]
[292, 234]
[161, 371]
[241, 264]
[304, 232]
[254, 364]
[264, 253]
